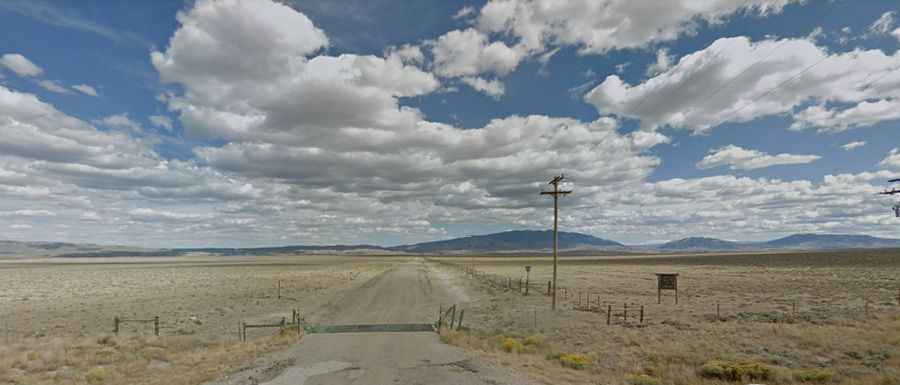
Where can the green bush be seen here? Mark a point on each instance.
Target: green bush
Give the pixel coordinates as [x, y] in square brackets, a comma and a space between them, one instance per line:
[736, 371]
[573, 360]
[512, 345]
[642, 379]
[534, 340]
[96, 375]
[812, 375]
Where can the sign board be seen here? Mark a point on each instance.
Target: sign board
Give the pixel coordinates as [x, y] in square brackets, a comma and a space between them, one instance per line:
[666, 281]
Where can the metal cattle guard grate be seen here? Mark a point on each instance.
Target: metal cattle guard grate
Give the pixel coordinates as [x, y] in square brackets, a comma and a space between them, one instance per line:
[371, 328]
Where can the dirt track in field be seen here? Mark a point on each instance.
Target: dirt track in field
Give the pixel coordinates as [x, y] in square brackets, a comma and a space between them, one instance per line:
[409, 293]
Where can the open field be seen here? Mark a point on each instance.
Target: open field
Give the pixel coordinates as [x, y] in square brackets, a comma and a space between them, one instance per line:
[829, 317]
[823, 314]
[56, 315]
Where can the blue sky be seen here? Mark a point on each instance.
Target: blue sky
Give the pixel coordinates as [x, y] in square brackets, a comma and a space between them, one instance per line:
[257, 123]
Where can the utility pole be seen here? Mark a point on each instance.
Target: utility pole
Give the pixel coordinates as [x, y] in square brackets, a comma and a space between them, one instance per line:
[893, 191]
[556, 193]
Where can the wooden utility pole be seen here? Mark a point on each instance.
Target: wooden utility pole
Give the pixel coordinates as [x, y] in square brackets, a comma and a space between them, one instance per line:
[556, 193]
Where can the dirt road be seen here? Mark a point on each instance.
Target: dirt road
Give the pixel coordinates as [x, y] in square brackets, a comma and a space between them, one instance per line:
[409, 293]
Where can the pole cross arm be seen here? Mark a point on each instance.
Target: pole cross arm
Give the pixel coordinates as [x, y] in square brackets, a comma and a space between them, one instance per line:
[890, 192]
[560, 192]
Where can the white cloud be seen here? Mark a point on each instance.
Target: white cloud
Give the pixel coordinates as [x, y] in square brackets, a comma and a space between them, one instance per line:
[738, 158]
[468, 52]
[53, 86]
[121, 121]
[464, 11]
[896, 34]
[85, 89]
[408, 54]
[161, 121]
[892, 160]
[20, 65]
[736, 80]
[837, 120]
[883, 25]
[597, 27]
[493, 88]
[853, 145]
[663, 62]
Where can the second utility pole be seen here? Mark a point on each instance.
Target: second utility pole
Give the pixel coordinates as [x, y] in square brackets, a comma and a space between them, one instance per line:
[556, 194]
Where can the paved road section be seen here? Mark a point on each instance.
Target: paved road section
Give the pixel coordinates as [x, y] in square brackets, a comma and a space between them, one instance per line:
[409, 293]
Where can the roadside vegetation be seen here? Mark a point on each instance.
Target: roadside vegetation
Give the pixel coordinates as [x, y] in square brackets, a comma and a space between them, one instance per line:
[172, 360]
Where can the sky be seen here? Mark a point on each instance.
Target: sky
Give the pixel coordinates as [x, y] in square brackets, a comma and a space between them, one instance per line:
[239, 123]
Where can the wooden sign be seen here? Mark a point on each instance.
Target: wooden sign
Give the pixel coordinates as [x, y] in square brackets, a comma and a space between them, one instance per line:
[666, 281]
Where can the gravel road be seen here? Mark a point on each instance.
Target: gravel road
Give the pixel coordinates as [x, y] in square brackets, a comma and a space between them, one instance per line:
[408, 293]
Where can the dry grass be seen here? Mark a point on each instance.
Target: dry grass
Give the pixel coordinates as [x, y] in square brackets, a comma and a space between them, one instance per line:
[829, 340]
[174, 360]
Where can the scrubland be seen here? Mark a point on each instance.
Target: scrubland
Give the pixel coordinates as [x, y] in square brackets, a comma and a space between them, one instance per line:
[824, 317]
[56, 315]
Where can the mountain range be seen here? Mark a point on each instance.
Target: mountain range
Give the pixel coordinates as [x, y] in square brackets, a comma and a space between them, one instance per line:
[498, 243]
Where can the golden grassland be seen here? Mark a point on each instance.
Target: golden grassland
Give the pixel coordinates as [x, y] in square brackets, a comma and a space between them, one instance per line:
[845, 330]
[170, 360]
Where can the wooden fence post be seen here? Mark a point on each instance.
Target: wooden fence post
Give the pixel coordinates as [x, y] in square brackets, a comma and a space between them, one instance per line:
[116, 325]
[243, 331]
[608, 314]
[441, 316]
[279, 289]
[625, 312]
[156, 325]
[642, 314]
[718, 316]
[549, 287]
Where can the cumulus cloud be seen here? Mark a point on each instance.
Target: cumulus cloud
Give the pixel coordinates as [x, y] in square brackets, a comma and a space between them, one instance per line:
[892, 160]
[20, 65]
[853, 145]
[663, 62]
[85, 89]
[739, 158]
[161, 121]
[122, 122]
[884, 24]
[494, 87]
[736, 80]
[53, 86]
[469, 52]
[464, 11]
[597, 27]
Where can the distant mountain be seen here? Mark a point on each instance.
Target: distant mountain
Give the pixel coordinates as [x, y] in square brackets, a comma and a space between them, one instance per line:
[510, 241]
[700, 244]
[16, 249]
[830, 241]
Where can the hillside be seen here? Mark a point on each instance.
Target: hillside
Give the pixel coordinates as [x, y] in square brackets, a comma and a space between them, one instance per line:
[700, 243]
[511, 241]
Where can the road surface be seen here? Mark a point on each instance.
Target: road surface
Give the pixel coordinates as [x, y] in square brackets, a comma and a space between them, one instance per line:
[408, 293]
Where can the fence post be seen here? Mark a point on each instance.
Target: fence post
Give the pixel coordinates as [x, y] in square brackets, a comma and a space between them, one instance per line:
[452, 316]
[625, 313]
[718, 317]
[279, 289]
[116, 325]
[156, 325]
[642, 314]
[440, 316]
[549, 287]
[243, 331]
[608, 314]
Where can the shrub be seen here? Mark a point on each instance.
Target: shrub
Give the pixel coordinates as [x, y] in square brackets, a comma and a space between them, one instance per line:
[813, 375]
[96, 375]
[512, 345]
[106, 341]
[534, 340]
[642, 379]
[736, 371]
[573, 360]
